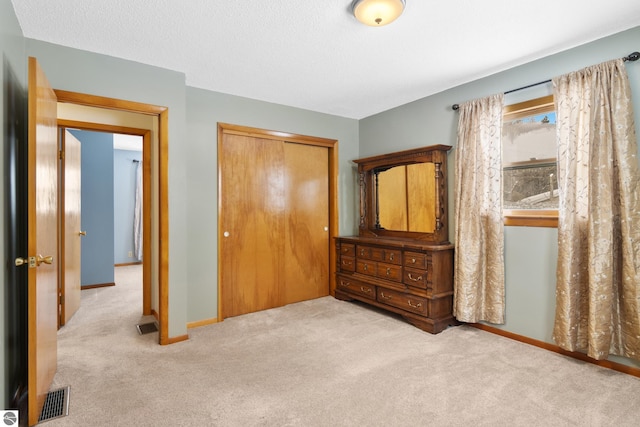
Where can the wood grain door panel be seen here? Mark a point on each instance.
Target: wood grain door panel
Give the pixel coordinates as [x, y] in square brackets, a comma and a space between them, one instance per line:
[274, 222]
[306, 249]
[43, 238]
[252, 208]
[70, 274]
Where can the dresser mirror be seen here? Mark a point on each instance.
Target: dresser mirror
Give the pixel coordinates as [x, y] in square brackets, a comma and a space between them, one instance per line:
[404, 194]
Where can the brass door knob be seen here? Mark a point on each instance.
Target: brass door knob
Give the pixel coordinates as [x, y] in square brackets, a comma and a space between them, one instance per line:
[44, 259]
[83, 233]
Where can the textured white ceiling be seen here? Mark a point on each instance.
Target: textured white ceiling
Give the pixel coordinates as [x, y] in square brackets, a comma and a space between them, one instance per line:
[314, 54]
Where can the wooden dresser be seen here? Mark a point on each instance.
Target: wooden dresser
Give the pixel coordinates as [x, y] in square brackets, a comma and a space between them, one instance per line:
[406, 277]
[401, 260]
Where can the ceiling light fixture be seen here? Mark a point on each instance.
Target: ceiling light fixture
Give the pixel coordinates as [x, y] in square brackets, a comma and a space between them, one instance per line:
[377, 13]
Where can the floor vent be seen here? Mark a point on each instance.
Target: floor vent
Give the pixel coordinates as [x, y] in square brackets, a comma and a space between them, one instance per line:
[147, 328]
[56, 405]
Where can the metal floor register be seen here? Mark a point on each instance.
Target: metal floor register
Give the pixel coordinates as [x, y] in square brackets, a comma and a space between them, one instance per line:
[56, 405]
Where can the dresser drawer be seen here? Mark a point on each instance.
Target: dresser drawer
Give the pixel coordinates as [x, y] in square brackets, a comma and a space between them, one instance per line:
[417, 278]
[347, 263]
[376, 254]
[348, 249]
[390, 272]
[369, 268]
[363, 252]
[393, 256]
[356, 287]
[404, 301]
[415, 260]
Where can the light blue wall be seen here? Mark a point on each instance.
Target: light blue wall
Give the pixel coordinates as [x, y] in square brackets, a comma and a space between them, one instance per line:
[530, 253]
[12, 90]
[124, 196]
[97, 207]
[204, 110]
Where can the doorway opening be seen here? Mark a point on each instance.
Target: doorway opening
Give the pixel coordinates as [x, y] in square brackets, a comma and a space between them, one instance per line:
[102, 214]
[94, 113]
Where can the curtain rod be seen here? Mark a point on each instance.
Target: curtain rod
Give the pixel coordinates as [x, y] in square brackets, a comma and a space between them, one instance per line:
[631, 57]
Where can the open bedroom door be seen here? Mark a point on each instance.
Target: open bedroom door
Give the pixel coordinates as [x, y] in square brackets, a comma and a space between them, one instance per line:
[41, 259]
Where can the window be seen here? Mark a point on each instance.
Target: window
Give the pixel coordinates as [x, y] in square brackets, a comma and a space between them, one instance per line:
[529, 173]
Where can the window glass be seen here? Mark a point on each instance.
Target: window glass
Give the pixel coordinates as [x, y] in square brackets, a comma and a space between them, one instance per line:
[530, 184]
[529, 162]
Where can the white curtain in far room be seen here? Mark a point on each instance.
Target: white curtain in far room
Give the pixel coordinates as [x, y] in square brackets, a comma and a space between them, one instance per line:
[134, 143]
[137, 215]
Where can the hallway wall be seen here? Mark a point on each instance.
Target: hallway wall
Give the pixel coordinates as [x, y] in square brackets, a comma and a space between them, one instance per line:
[97, 207]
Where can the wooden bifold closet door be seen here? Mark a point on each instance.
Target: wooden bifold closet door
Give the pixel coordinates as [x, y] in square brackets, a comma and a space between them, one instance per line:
[274, 222]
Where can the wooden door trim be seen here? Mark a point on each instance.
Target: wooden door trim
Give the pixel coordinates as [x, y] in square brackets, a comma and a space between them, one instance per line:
[162, 113]
[101, 127]
[62, 227]
[146, 194]
[331, 144]
[108, 103]
[277, 135]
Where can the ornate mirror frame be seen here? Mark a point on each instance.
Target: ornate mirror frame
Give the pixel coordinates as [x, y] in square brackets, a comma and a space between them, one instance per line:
[368, 169]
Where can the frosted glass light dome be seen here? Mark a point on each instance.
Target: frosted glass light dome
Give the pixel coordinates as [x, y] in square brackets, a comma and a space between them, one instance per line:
[377, 13]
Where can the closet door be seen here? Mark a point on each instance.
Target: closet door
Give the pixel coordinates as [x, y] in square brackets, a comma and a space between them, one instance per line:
[306, 256]
[252, 218]
[274, 221]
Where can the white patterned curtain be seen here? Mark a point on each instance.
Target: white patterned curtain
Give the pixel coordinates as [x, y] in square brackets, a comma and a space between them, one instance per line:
[479, 232]
[137, 214]
[598, 273]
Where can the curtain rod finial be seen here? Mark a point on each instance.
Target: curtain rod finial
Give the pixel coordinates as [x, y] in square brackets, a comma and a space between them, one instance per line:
[455, 107]
[632, 56]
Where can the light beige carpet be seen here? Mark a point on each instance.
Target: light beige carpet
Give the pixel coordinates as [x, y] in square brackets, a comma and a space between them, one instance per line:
[320, 363]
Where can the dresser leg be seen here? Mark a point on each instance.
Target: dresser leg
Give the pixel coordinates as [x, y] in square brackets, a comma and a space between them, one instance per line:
[342, 296]
[432, 326]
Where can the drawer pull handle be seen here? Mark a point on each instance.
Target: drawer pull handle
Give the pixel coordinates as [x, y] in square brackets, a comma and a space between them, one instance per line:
[419, 278]
[413, 260]
[365, 267]
[345, 284]
[365, 290]
[345, 250]
[387, 297]
[414, 306]
[346, 262]
[362, 252]
[391, 257]
[388, 271]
